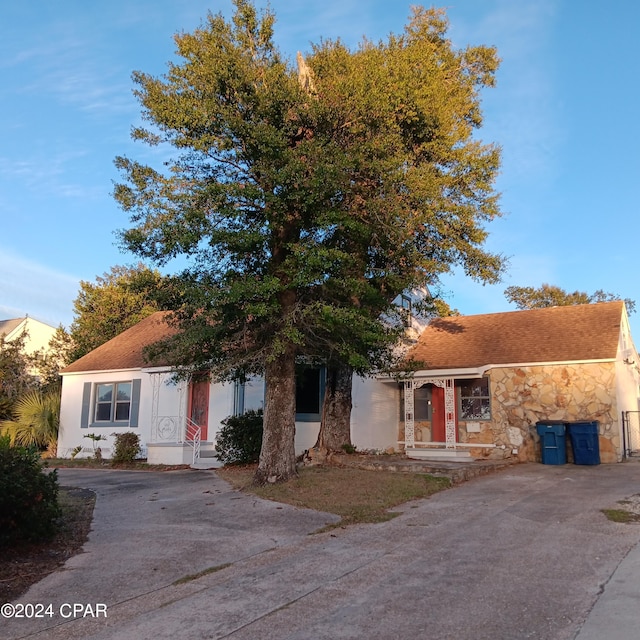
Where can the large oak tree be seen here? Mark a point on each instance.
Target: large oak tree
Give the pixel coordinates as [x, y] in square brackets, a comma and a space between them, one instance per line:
[304, 208]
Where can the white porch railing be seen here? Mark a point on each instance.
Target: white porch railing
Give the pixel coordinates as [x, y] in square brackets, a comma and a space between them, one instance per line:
[177, 430]
[193, 436]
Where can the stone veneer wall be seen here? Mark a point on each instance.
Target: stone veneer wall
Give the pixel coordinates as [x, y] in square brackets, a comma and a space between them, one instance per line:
[521, 396]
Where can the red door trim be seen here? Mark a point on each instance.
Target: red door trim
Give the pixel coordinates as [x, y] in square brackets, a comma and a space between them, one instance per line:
[438, 415]
[198, 406]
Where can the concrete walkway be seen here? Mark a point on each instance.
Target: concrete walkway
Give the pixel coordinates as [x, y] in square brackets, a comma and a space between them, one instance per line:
[522, 553]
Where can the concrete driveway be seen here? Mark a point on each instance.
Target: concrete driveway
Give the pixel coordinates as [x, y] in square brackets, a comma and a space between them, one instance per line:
[522, 553]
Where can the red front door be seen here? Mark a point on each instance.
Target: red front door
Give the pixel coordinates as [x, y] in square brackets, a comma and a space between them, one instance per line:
[438, 415]
[199, 406]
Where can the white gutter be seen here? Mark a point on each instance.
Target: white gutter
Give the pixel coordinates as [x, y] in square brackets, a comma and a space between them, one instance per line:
[94, 371]
[113, 371]
[478, 372]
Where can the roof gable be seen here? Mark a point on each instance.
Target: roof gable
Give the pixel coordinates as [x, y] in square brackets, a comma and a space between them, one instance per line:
[554, 334]
[126, 350]
[8, 326]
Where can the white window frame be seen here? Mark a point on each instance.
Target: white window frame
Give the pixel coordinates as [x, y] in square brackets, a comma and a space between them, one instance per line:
[113, 403]
[484, 399]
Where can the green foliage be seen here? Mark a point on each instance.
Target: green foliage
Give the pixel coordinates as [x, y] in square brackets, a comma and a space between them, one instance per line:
[6, 408]
[16, 377]
[308, 210]
[36, 420]
[96, 437]
[240, 438]
[116, 301]
[308, 199]
[51, 360]
[126, 447]
[551, 296]
[28, 496]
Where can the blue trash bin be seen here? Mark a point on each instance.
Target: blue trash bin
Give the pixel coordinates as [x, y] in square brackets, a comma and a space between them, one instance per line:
[552, 441]
[584, 442]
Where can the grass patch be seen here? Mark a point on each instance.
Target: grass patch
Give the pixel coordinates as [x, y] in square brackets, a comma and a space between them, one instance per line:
[200, 574]
[621, 515]
[356, 495]
[92, 463]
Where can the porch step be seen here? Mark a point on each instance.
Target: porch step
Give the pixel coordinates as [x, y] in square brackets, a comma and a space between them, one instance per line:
[207, 463]
[438, 454]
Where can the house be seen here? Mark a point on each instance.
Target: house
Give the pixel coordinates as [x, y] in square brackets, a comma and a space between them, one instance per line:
[113, 389]
[483, 382]
[37, 334]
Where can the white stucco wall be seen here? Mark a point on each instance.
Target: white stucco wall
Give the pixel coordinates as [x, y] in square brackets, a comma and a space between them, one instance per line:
[627, 375]
[172, 401]
[374, 416]
[220, 407]
[71, 434]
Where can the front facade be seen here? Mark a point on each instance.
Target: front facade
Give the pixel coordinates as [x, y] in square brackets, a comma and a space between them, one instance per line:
[112, 390]
[477, 387]
[483, 382]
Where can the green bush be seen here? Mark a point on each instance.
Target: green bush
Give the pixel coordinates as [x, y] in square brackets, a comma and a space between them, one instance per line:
[29, 510]
[240, 438]
[126, 448]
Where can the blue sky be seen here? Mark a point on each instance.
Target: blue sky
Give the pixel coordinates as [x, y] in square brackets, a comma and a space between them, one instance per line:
[564, 112]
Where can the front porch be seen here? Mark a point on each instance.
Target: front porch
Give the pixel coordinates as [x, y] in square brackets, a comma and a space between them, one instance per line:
[431, 419]
[177, 440]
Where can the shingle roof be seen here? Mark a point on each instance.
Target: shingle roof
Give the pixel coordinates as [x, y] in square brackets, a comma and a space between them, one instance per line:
[555, 334]
[7, 326]
[125, 351]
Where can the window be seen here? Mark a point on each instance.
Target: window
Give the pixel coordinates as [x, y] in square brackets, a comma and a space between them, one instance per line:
[249, 395]
[310, 385]
[113, 402]
[475, 402]
[106, 404]
[421, 403]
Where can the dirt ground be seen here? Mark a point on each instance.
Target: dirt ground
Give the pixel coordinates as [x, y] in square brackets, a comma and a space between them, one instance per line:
[26, 564]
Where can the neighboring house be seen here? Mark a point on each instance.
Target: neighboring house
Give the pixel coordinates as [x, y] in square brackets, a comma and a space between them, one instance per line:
[112, 390]
[485, 381]
[37, 334]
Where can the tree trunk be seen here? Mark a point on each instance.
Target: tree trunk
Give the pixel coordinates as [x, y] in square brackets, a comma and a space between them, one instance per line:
[277, 461]
[335, 427]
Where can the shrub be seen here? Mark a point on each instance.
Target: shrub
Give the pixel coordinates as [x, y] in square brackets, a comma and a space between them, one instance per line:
[240, 438]
[29, 508]
[96, 437]
[36, 421]
[126, 447]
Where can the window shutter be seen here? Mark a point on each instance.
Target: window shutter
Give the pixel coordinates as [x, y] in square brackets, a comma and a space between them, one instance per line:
[86, 405]
[135, 402]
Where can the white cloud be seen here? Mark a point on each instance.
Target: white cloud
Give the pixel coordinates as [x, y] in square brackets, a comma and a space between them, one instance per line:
[51, 174]
[30, 288]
